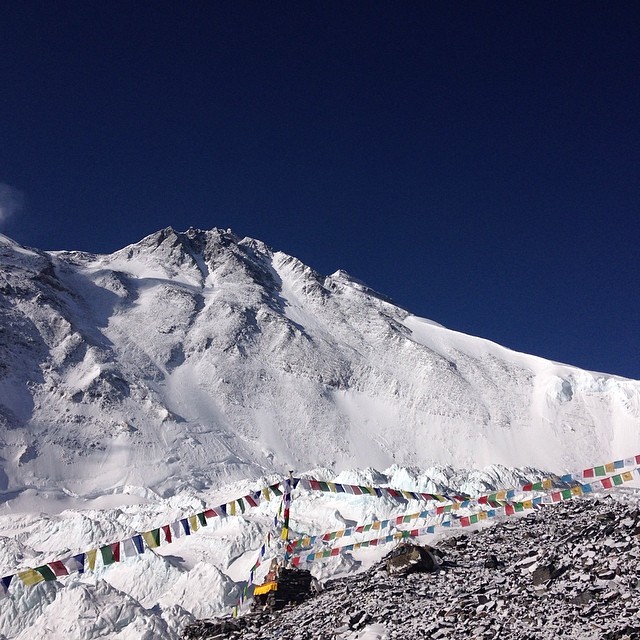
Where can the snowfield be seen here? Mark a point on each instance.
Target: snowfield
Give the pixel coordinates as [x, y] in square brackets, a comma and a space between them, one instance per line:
[192, 368]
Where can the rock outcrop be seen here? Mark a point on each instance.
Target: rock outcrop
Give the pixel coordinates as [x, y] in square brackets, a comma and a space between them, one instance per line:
[570, 570]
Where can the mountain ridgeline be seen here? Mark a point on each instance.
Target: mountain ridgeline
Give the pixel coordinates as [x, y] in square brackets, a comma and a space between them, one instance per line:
[194, 358]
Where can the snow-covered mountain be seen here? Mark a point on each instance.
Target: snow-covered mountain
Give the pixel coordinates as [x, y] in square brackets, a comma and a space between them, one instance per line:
[199, 358]
[190, 368]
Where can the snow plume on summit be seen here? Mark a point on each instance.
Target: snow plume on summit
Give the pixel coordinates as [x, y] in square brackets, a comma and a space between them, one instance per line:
[189, 360]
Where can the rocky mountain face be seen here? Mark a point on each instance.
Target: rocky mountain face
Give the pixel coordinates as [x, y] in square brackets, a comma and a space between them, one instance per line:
[569, 570]
[197, 358]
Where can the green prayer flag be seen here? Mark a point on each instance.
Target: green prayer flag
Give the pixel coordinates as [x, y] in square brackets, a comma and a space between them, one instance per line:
[617, 480]
[46, 573]
[519, 506]
[566, 494]
[203, 519]
[600, 471]
[474, 518]
[107, 555]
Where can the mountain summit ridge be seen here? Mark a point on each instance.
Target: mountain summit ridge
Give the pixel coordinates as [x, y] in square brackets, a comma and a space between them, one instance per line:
[199, 357]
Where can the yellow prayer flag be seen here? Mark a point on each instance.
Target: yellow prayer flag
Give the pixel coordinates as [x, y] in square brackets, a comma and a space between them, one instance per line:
[376, 525]
[149, 539]
[546, 483]
[306, 542]
[265, 493]
[501, 495]
[232, 508]
[610, 467]
[30, 577]
[576, 491]
[332, 487]
[627, 476]
[407, 495]
[91, 559]
[482, 515]
[193, 523]
[339, 534]
[455, 506]
[527, 504]
[285, 533]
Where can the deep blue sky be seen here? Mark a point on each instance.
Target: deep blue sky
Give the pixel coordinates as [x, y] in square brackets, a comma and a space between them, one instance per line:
[478, 162]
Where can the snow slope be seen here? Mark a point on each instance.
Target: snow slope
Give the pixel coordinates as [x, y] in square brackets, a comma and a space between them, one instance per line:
[193, 359]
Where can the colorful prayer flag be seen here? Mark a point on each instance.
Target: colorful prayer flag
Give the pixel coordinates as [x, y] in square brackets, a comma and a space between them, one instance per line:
[107, 555]
[4, 585]
[58, 568]
[46, 573]
[152, 538]
[129, 548]
[75, 563]
[30, 577]
[137, 541]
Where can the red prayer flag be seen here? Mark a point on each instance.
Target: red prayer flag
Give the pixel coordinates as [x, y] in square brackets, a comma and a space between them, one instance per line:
[167, 532]
[464, 522]
[527, 487]
[588, 473]
[115, 550]
[296, 561]
[509, 510]
[335, 552]
[210, 513]
[251, 501]
[606, 483]
[556, 497]
[58, 568]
